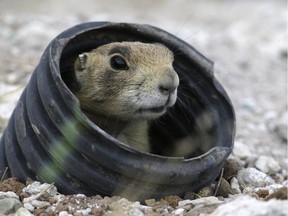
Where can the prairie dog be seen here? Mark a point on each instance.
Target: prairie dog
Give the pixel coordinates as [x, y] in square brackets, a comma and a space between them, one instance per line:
[123, 85]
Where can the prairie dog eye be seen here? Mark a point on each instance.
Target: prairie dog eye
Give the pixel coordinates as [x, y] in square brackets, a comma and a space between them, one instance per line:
[117, 62]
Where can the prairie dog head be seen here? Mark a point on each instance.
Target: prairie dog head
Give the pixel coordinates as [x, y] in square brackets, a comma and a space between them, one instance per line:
[127, 80]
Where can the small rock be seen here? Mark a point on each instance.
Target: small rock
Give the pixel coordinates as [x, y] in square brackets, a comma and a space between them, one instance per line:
[201, 201]
[28, 206]
[206, 192]
[278, 178]
[246, 205]
[184, 203]
[39, 204]
[36, 188]
[249, 104]
[285, 183]
[254, 178]
[22, 212]
[273, 188]
[135, 212]
[189, 195]
[267, 165]
[224, 188]
[243, 151]
[172, 200]
[199, 210]
[124, 207]
[83, 211]
[188, 207]
[262, 193]
[235, 187]
[231, 168]
[179, 211]
[279, 194]
[150, 202]
[9, 194]
[248, 191]
[64, 213]
[9, 206]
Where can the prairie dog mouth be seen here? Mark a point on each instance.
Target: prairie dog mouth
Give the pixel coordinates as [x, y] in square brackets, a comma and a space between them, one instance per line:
[159, 110]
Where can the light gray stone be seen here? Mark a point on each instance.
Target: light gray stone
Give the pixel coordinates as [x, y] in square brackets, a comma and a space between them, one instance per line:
[254, 178]
[273, 188]
[235, 187]
[267, 165]
[28, 206]
[22, 212]
[84, 211]
[201, 201]
[243, 151]
[64, 213]
[285, 183]
[9, 206]
[36, 188]
[248, 206]
[124, 207]
[39, 204]
[179, 211]
[9, 194]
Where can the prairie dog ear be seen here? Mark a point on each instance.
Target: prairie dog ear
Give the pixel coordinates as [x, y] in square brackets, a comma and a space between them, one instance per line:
[82, 62]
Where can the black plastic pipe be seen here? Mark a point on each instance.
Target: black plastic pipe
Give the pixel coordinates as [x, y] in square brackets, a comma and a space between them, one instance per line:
[48, 137]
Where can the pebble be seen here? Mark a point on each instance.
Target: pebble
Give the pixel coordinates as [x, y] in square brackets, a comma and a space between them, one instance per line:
[224, 188]
[64, 213]
[84, 211]
[9, 206]
[150, 202]
[274, 187]
[248, 206]
[235, 187]
[183, 203]
[267, 165]
[231, 167]
[37, 30]
[179, 211]
[22, 212]
[36, 188]
[285, 183]
[262, 193]
[206, 192]
[39, 204]
[9, 202]
[243, 151]
[28, 206]
[172, 200]
[201, 201]
[189, 195]
[253, 178]
[279, 194]
[124, 207]
[9, 194]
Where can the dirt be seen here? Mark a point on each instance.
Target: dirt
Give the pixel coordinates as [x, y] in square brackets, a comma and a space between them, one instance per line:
[97, 205]
[12, 184]
[282, 194]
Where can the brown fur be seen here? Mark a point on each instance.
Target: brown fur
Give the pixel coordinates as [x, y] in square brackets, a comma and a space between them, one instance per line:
[122, 102]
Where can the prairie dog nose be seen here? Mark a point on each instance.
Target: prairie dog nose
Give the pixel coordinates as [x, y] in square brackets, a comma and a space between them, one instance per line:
[169, 82]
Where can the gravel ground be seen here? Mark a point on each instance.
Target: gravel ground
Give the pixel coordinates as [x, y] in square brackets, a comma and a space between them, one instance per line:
[247, 40]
